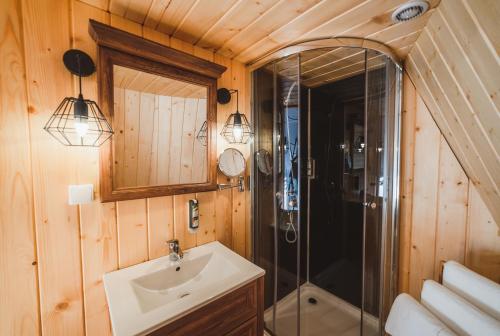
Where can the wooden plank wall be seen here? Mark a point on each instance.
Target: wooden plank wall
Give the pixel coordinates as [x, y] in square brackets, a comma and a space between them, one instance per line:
[161, 140]
[18, 271]
[53, 255]
[456, 69]
[442, 215]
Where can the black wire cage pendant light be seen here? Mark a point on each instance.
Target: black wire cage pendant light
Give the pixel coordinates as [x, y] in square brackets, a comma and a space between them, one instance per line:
[237, 128]
[79, 121]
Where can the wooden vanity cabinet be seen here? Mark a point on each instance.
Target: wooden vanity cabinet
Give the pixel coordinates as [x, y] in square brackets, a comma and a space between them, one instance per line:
[238, 313]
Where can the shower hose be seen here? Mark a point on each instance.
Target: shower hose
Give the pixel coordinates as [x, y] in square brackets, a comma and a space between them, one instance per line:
[291, 232]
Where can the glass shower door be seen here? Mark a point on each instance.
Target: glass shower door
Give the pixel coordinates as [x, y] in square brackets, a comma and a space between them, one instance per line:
[378, 204]
[286, 188]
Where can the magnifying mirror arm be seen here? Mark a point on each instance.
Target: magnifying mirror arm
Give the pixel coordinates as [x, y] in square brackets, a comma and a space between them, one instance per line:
[240, 185]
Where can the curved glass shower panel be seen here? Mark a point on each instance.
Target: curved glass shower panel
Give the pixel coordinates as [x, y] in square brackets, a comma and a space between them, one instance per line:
[276, 196]
[324, 214]
[335, 86]
[380, 150]
[263, 180]
[287, 170]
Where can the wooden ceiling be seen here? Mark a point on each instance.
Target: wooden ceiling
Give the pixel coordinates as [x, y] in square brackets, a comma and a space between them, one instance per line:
[455, 66]
[248, 29]
[319, 67]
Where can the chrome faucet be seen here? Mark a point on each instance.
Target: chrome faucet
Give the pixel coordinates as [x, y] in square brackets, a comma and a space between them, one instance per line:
[174, 249]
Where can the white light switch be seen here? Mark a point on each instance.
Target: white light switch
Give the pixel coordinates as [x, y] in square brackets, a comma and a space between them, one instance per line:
[80, 194]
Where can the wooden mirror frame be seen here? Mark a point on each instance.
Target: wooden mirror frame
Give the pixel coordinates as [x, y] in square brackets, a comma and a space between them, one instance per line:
[117, 47]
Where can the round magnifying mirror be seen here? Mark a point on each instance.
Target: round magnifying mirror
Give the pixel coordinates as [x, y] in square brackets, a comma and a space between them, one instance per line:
[232, 162]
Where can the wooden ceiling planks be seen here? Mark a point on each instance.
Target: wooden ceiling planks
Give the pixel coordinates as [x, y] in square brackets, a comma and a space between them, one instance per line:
[455, 66]
[203, 15]
[248, 29]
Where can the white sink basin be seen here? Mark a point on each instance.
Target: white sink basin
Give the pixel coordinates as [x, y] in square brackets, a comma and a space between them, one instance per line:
[146, 296]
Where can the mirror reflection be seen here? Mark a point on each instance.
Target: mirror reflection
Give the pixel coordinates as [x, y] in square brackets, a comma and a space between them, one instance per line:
[159, 137]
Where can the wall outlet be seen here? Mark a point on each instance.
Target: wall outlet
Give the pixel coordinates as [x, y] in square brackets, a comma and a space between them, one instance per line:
[80, 194]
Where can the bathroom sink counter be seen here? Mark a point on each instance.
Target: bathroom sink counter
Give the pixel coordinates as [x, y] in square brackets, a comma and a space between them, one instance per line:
[147, 296]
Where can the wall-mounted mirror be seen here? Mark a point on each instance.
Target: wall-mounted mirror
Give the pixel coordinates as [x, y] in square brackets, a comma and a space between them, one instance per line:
[232, 164]
[157, 120]
[162, 105]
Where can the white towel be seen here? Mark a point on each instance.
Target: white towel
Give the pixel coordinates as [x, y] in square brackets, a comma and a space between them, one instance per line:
[478, 290]
[409, 318]
[456, 312]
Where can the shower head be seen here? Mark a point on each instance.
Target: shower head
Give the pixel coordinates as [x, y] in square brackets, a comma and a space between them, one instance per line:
[409, 11]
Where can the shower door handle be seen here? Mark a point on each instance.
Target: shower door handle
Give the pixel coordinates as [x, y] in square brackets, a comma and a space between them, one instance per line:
[371, 205]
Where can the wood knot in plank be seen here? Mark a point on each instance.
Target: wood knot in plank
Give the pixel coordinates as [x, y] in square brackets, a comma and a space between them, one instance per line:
[62, 306]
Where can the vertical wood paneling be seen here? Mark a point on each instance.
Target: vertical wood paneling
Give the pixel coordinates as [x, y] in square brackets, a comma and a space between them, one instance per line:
[131, 138]
[132, 232]
[19, 313]
[206, 232]
[223, 215]
[98, 237]
[99, 256]
[452, 209]
[448, 219]
[160, 225]
[119, 141]
[164, 137]
[175, 150]
[187, 139]
[425, 196]
[238, 76]
[223, 211]
[146, 128]
[199, 165]
[153, 170]
[181, 232]
[47, 29]
[483, 239]
[161, 148]
[406, 191]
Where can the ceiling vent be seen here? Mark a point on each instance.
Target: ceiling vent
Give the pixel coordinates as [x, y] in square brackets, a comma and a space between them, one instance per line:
[409, 11]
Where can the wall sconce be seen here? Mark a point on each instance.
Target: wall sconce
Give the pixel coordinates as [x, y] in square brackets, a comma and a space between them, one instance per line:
[237, 128]
[78, 121]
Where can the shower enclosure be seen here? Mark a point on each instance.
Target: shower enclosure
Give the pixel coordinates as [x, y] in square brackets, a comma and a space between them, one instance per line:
[325, 182]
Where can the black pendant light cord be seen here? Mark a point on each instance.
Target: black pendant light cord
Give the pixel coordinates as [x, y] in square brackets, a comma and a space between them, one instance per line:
[79, 76]
[237, 101]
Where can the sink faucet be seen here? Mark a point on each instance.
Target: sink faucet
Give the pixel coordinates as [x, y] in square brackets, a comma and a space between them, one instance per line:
[174, 249]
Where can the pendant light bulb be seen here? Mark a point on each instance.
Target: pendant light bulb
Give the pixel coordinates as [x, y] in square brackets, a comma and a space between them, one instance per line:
[81, 117]
[238, 133]
[81, 114]
[81, 126]
[237, 128]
